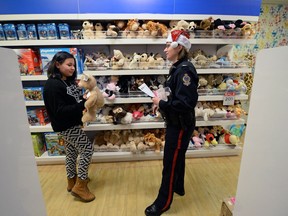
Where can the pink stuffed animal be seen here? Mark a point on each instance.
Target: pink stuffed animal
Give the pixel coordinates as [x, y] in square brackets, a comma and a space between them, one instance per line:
[196, 139]
[111, 88]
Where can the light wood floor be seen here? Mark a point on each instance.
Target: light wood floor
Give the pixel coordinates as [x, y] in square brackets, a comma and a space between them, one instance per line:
[127, 188]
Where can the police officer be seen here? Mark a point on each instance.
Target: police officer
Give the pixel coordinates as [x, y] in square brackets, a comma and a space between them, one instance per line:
[178, 113]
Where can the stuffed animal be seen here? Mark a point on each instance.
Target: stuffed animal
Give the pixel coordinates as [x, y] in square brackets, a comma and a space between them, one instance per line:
[94, 101]
[134, 64]
[132, 28]
[198, 142]
[99, 33]
[121, 116]
[181, 25]
[111, 88]
[112, 30]
[118, 60]
[87, 30]
[151, 140]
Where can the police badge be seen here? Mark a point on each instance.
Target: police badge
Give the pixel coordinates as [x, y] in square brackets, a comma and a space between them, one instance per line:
[186, 79]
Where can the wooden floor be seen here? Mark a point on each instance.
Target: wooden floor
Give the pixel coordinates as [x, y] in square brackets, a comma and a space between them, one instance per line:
[127, 188]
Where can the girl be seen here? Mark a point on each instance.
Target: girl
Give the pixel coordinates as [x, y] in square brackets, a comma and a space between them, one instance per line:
[64, 104]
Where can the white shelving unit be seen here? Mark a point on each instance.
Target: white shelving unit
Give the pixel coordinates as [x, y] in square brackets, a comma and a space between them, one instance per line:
[220, 150]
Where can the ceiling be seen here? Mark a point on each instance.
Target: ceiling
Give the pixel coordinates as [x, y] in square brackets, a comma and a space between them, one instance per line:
[275, 2]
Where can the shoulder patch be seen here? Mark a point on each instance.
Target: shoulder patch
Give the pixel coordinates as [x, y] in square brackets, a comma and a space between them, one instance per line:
[186, 79]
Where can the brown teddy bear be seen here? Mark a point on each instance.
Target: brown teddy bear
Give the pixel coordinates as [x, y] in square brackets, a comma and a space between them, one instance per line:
[95, 99]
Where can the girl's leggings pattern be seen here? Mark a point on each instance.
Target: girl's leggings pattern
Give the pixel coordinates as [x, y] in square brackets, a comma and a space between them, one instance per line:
[77, 143]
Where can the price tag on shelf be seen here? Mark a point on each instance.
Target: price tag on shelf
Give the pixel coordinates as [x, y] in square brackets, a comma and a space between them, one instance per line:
[229, 98]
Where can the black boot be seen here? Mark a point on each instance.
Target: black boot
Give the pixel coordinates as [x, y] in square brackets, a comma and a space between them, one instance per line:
[153, 210]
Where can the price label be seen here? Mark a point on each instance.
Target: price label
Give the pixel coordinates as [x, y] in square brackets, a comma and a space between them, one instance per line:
[229, 98]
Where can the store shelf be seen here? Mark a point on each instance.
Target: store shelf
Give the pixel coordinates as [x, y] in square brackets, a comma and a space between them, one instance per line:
[130, 41]
[140, 125]
[129, 100]
[40, 129]
[126, 72]
[34, 78]
[34, 103]
[144, 72]
[219, 150]
[150, 125]
[223, 70]
[220, 97]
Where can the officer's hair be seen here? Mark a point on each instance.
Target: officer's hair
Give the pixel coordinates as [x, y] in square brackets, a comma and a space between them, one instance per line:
[183, 53]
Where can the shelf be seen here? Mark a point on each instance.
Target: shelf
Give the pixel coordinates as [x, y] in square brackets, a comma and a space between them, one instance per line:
[223, 70]
[40, 129]
[144, 72]
[220, 97]
[219, 122]
[34, 78]
[34, 103]
[127, 72]
[128, 100]
[219, 150]
[149, 125]
[140, 125]
[130, 41]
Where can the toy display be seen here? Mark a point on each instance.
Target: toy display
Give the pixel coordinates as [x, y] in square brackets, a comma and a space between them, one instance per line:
[123, 82]
[29, 61]
[37, 116]
[38, 142]
[55, 144]
[48, 53]
[94, 101]
[33, 93]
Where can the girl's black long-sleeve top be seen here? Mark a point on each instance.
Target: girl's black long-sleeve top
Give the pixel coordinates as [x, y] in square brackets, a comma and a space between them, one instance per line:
[64, 103]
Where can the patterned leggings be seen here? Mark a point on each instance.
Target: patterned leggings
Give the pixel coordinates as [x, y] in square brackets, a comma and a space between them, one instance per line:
[77, 142]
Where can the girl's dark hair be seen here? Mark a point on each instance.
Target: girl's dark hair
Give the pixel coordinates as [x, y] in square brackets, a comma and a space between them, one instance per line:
[60, 57]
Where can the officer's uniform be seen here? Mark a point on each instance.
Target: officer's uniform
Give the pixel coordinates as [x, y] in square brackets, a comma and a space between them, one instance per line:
[178, 113]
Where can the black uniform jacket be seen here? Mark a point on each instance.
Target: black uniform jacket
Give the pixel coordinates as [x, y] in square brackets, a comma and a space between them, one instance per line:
[183, 83]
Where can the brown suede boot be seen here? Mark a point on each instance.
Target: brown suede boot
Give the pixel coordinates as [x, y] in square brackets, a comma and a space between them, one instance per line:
[71, 183]
[81, 191]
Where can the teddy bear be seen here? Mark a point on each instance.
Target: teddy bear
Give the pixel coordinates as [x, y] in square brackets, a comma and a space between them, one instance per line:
[95, 99]
[87, 30]
[118, 60]
[134, 64]
[112, 30]
[111, 88]
[144, 64]
[181, 25]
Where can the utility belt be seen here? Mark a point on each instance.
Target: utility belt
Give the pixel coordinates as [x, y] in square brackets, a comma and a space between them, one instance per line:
[182, 120]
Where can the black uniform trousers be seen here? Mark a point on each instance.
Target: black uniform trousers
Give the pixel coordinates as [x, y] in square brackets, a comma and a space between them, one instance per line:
[176, 144]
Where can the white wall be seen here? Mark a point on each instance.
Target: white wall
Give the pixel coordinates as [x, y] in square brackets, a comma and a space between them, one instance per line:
[20, 191]
[263, 180]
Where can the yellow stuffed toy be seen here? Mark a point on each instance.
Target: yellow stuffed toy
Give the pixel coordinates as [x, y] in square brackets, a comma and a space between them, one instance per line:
[95, 99]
